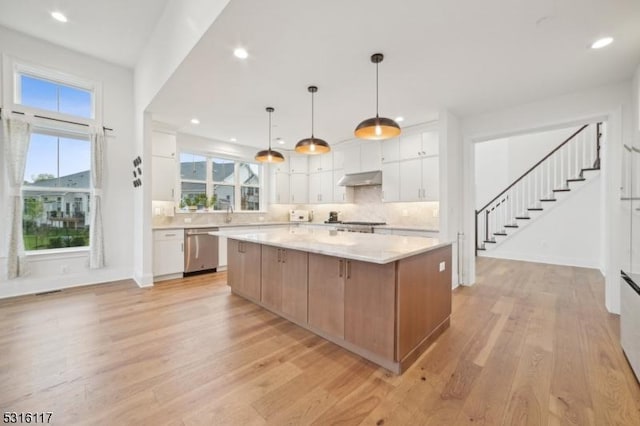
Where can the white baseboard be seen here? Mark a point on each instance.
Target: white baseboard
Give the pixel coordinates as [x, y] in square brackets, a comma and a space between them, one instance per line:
[540, 258]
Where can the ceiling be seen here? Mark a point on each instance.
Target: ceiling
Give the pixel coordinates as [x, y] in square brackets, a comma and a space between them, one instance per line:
[467, 56]
[113, 30]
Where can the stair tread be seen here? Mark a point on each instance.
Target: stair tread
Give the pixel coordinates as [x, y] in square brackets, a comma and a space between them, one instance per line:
[511, 226]
[548, 199]
[562, 190]
[503, 234]
[489, 241]
[576, 180]
[481, 248]
[523, 217]
[535, 209]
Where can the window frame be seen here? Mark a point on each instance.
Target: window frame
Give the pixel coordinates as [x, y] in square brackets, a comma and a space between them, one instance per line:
[14, 69]
[209, 182]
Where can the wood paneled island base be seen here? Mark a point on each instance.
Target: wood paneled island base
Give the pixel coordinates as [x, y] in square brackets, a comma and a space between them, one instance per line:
[388, 313]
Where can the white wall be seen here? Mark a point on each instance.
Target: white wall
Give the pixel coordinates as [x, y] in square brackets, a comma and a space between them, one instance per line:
[612, 103]
[579, 242]
[499, 162]
[180, 27]
[117, 85]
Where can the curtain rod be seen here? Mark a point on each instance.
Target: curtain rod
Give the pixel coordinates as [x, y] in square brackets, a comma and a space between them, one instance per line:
[59, 120]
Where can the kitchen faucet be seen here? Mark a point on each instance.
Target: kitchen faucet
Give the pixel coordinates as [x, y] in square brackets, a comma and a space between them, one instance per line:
[229, 213]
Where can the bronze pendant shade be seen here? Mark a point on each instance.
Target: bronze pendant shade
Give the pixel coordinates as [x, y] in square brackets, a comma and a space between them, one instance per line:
[269, 155]
[312, 145]
[377, 128]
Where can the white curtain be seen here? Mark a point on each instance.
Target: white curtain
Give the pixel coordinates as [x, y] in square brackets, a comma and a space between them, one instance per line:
[96, 255]
[16, 134]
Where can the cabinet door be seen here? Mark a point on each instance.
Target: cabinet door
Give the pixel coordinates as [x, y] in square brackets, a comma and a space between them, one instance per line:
[411, 180]
[326, 294]
[430, 143]
[326, 162]
[251, 265]
[298, 163]
[369, 306]
[168, 252]
[282, 193]
[222, 252]
[271, 277]
[326, 186]
[390, 150]
[410, 146]
[299, 185]
[351, 158]
[164, 178]
[234, 265]
[431, 179]
[315, 187]
[370, 156]
[295, 284]
[390, 182]
[163, 144]
[341, 194]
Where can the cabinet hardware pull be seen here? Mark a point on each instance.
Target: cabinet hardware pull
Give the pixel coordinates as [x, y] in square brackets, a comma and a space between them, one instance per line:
[182, 247]
[169, 235]
[340, 268]
[348, 269]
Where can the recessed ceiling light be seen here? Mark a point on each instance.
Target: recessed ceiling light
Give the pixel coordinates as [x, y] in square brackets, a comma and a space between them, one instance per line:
[399, 119]
[241, 53]
[280, 141]
[233, 140]
[603, 42]
[195, 121]
[59, 16]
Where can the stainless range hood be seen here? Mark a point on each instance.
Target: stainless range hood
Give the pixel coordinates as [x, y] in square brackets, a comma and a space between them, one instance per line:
[361, 179]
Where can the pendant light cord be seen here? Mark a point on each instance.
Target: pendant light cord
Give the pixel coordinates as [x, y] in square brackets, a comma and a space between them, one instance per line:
[269, 131]
[377, 89]
[312, 93]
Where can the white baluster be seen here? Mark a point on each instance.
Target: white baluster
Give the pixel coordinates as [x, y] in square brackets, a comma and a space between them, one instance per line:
[584, 146]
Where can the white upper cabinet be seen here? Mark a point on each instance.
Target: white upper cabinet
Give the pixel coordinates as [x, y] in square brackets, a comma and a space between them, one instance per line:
[370, 156]
[298, 163]
[281, 193]
[163, 144]
[299, 187]
[430, 179]
[419, 144]
[321, 163]
[321, 187]
[341, 194]
[410, 180]
[390, 150]
[347, 157]
[391, 182]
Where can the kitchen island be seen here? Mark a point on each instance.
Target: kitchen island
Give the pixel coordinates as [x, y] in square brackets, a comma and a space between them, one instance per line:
[383, 297]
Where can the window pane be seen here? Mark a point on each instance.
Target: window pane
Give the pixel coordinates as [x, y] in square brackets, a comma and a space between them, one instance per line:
[249, 174]
[58, 162]
[249, 198]
[55, 220]
[193, 167]
[223, 170]
[193, 194]
[52, 96]
[38, 93]
[223, 197]
[75, 101]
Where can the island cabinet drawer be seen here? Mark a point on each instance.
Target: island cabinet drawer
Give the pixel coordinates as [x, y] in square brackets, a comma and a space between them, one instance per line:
[354, 301]
[244, 268]
[284, 281]
[424, 297]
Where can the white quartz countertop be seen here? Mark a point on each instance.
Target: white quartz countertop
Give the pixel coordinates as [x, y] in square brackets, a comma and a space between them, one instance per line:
[373, 248]
[220, 225]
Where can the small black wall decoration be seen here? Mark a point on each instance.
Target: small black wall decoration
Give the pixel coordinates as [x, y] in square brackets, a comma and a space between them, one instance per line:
[137, 172]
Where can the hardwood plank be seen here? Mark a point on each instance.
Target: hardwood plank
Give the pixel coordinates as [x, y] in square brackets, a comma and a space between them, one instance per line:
[528, 344]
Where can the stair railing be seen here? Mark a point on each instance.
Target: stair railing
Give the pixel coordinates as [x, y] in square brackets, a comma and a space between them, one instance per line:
[551, 174]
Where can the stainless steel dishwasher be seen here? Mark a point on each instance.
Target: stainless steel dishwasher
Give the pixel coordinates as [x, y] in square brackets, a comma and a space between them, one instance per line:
[200, 250]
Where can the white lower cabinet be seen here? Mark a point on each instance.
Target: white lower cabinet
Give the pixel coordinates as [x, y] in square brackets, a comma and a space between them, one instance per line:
[168, 252]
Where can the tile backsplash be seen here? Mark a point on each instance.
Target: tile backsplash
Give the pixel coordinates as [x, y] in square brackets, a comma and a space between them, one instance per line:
[368, 206]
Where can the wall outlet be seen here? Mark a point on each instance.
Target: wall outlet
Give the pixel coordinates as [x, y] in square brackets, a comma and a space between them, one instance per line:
[442, 266]
[187, 220]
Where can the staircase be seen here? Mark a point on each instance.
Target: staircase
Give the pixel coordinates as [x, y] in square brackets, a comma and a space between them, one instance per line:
[545, 184]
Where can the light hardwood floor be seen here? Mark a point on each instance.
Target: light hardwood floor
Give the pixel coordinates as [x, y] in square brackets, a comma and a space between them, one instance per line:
[529, 344]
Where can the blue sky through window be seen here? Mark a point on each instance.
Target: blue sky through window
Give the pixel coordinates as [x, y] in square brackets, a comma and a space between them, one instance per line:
[52, 96]
[44, 150]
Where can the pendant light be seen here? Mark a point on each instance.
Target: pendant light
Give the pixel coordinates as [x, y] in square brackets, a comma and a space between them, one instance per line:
[312, 145]
[377, 128]
[269, 155]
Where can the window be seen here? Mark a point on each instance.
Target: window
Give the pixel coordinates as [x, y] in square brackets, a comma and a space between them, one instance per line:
[56, 187]
[217, 183]
[57, 179]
